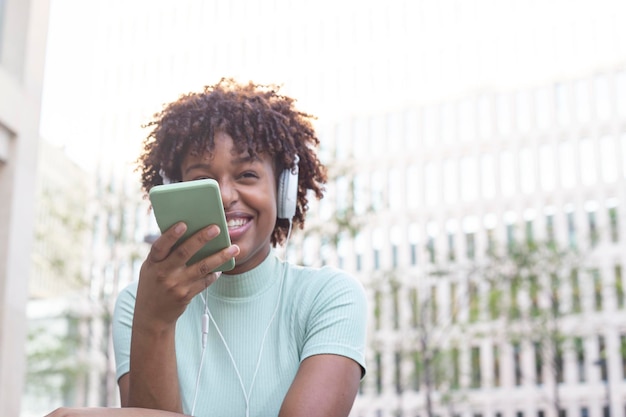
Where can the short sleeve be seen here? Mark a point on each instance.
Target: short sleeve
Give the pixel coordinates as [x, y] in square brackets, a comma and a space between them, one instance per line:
[337, 318]
[122, 328]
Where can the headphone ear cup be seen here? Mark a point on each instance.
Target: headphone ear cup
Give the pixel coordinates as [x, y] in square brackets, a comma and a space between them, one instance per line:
[288, 192]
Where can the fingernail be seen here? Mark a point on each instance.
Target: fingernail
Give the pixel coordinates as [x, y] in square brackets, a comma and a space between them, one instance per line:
[180, 228]
[212, 231]
[218, 274]
[233, 250]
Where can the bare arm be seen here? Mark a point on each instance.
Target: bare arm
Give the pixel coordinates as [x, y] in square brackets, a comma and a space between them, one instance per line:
[166, 287]
[111, 412]
[325, 386]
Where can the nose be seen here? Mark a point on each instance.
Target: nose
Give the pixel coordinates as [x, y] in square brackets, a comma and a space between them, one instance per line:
[229, 193]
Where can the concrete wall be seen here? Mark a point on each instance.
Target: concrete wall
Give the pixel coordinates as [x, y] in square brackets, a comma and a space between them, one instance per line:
[23, 32]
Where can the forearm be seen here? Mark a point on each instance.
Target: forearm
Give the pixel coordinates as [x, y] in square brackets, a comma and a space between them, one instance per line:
[111, 412]
[153, 376]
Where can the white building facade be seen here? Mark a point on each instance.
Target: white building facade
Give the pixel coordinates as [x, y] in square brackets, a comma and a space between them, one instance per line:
[432, 186]
[23, 31]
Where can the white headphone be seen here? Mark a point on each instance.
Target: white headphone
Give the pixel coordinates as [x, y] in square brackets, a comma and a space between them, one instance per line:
[288, 191]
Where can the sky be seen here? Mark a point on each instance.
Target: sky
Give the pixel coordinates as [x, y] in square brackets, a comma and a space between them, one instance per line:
[112, 60]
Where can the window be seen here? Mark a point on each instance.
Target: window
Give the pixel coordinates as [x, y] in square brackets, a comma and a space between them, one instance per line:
[543, 108]
[454, 302]
[485, 118]
[488, 175]
[593, 224]
[467, 118]
[360, 136]
[527, 171]
[619, 285]
[395, 189]
[431, 183]
[433, 304]
[450, 181]
[342, 140]
[622, 354]
[451, 231]
[474, 301]
[379, 139]
[597, 289]
[550, 226]
[470, 245]
[395, 299]
[579, 349]
[620, 90]
[475, 365]
[414, 302]
[496, 366]
[378, 237]
[575, 287]
[431, 232]
[567, 165]
[398, 372]
[395, 239]
[587, 162]
[583, 108]
[456, 368]
[379, 372]
[431, 125]
[608, 156]
[378, 190]
[517, 364]
[603, 97]
[562, 97]
[507, 174]
[559, 361]
[412, 184]
[546, 168]
[413, 240]
[538, 351]
[522, 107]
[571, 229]
[601, 362]
[613, 224]
[395, 131]
[469, 178]
[415, 376]
[504, 113]
[448, 123]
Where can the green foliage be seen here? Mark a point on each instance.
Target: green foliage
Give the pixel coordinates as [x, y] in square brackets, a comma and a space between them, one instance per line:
[54, 367]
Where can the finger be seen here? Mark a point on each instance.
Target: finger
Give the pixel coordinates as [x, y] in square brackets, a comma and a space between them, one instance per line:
[202, 269]
[191, 246]
[163, 245]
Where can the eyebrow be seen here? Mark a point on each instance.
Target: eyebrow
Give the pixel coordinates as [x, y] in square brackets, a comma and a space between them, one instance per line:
[237, 161]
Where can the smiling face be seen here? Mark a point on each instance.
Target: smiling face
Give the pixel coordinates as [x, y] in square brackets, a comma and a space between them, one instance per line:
[248, 189]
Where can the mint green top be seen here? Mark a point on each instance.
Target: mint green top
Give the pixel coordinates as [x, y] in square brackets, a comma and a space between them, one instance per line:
[321, 311]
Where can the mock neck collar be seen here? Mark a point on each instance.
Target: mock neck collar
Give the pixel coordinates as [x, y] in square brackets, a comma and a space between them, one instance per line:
[249, 283]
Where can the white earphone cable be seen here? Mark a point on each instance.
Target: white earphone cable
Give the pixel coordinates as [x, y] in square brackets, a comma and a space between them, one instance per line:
[207, 316]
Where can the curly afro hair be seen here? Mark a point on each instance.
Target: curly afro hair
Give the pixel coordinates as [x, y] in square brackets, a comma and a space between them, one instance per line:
[259, 120]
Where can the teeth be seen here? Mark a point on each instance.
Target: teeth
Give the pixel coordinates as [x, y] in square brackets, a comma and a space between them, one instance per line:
[236, 222]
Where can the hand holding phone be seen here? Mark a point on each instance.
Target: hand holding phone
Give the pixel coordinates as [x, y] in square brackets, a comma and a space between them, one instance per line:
[198, 204]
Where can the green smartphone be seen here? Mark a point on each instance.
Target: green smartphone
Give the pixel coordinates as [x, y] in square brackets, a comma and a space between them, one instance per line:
[197, 203]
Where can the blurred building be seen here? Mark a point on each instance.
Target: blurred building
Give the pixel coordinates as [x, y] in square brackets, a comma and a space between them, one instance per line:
[59, 308]
[431, 187]
[23, 31]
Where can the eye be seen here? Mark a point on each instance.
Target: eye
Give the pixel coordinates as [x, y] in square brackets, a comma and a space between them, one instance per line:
[249, 174]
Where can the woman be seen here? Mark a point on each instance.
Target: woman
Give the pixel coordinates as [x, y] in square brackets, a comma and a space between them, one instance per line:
[267, 338]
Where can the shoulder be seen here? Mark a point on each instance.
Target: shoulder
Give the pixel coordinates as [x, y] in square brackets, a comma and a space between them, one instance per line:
[125, 302]
[322, 283]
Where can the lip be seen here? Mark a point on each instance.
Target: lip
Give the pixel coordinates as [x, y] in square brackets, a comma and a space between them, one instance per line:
[236, 233]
